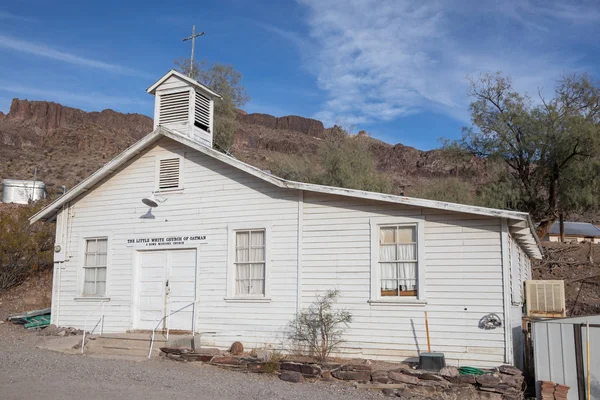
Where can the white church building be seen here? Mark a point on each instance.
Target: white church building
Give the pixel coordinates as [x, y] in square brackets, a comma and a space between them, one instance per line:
[172, 224]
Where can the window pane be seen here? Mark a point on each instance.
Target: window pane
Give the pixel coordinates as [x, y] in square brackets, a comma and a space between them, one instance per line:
[257, 271]
[257, 243]
[257, 254]
[242, 255]
[91, 246]
[89, 288]
[387, 235]
[242, 279]
[100, 288]
[90, 275]
[90, 260]
[389, 287]
[388, 270]
[407, 272]
[406, 234]
[101, 274]
[257, 238]
[257, 287]
[242, 239]
[101, 260]
[102, 245]
[407, 252]
[387, 252]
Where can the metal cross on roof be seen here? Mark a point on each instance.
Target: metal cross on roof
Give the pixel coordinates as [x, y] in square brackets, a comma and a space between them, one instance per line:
[192, 38]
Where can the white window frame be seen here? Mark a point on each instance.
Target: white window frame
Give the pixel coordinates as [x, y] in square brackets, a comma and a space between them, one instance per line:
[419, 223]
[231, 244]
[157, 173]
[81, 269]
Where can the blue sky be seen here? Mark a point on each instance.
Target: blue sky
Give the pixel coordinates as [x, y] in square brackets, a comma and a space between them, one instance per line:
[397, 69]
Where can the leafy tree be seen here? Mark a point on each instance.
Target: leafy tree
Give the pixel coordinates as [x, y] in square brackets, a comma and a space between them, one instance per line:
[550, 148]
[23, 247]
[348, 162]
[454, 190]
[227, 81]
[319, 329]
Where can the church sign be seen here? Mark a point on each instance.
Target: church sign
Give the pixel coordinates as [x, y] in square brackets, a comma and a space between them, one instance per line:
[166, 241]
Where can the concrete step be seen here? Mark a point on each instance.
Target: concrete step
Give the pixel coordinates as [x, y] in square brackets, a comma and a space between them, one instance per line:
[138, 344]
[125, 344]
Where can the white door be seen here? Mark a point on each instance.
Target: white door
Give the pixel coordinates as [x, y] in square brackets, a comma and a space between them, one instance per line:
[167, 282]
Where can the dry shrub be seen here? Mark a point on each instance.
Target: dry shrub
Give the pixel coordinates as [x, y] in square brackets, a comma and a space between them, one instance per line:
[24, 248]
[318, 330]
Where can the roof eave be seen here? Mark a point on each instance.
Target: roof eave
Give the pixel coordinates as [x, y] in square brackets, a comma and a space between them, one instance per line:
[52, 209]
[155, 85]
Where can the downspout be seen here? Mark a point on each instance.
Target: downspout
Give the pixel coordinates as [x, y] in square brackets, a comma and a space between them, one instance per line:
[299, 251]
[506, 293]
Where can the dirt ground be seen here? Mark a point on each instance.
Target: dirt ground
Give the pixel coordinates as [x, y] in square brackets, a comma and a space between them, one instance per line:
[27, 372]
[579, 266]
[33, 294]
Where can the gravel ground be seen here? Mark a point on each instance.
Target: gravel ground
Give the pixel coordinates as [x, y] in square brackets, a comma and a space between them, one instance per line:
[30, 373]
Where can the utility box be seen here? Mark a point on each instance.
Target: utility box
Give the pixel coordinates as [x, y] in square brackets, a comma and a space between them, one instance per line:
[545, 299]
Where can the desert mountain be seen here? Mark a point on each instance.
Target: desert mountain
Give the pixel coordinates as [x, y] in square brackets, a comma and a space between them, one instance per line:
[67, 144]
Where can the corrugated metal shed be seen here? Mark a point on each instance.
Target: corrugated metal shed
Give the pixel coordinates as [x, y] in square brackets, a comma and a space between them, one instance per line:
[560, 353]
[576, 229]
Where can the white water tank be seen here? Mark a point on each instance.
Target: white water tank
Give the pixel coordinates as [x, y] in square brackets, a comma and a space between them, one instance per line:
[21, 191]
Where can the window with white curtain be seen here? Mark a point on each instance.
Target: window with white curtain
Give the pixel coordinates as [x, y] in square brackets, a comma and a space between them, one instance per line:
[94, 278]
[250, 262]
[398, 260]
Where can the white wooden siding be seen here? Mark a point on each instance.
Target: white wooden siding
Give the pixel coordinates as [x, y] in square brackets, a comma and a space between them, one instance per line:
[215, 195]
[463, 280]
[463, 263]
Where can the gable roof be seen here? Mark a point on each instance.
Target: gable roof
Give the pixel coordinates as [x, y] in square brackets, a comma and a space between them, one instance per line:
[576, 229]
[520, 223]
[185, 78]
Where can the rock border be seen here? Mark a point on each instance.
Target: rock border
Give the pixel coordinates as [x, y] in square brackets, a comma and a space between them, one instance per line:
[502, 383]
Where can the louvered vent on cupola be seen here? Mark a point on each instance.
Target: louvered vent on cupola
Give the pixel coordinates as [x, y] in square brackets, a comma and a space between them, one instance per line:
[185, 106]
[202, 112]
[169, 173]
[174, 107]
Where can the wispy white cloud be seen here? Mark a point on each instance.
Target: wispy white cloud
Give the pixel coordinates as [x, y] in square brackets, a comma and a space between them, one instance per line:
[381, 60]
[7, 16]
[42, 50]
[91, 99]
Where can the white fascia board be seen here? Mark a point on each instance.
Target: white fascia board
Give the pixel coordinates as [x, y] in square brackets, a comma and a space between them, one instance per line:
[108, 168]
[185, 78]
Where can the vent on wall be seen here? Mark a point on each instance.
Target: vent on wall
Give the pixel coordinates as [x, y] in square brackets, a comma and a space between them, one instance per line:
[174, 107]
[168, 173]
[545, 298]
[202, 112]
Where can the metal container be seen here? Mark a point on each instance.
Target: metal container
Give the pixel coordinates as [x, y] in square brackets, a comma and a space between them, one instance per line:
[22, 192]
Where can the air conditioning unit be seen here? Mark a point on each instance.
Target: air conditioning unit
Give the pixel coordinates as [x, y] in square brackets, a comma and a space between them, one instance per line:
[545, 299]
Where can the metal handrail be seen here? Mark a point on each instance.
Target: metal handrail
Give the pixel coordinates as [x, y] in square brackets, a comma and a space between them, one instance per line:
[167, 316]
[100, 321]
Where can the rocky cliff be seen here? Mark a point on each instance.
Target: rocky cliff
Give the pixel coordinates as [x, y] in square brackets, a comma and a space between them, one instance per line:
[67, 144]
[52, 116]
